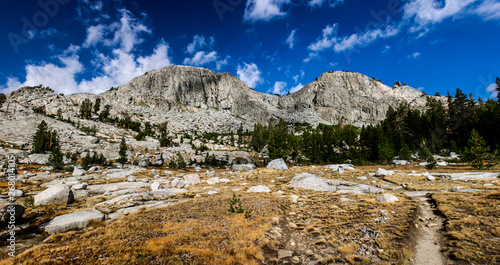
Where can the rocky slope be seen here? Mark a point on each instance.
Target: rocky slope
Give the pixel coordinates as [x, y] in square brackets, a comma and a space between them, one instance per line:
[199, 99]
[334, 97]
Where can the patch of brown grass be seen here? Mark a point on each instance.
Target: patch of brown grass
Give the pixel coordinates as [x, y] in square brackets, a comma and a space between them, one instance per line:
[329, 226]
[472, 226]
[199, 231]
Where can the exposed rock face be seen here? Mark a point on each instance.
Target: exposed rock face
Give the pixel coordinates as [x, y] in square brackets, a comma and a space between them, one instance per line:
[197, 98]
[337, 96]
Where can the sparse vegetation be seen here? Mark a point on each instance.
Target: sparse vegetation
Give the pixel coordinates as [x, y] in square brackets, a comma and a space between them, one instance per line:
[39, 110]
[86, 109]
[473, 226]
[44, 139]
[123, 152]
[195, 232]
[29, 202]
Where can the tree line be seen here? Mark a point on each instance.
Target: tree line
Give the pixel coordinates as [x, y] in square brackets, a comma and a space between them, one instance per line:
[458, 124]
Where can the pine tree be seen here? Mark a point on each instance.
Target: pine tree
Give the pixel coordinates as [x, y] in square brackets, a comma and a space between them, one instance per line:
[240, 134]
[41, 139]
[3, 99]
[103, 116]
[477, 151]
[86, 109]
[163, 131]
[123, 152]
[97, 105]
[56, 158]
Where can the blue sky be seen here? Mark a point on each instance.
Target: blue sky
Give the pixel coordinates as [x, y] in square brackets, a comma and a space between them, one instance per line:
[275, 46]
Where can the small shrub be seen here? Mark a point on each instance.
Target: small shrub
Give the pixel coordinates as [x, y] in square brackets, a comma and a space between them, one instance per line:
[431, 163]
[236, 207]
[29, 202]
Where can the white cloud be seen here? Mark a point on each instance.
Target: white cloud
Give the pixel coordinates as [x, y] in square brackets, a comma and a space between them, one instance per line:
[95, 34]
[199, 42]
[296, 88]
[59, 77]
[201, 58]
[126, 33]
[291, 39]
[279, 88]
[327, 40]
[427, 12]
[111, 70]
[11, 85]
[364, 39]
[489, 10]
[296, 77]
[492, 89]
[319, 3]
[250, 74]
[330, 39]
[264, 10]
[414, 55]
[222, 63]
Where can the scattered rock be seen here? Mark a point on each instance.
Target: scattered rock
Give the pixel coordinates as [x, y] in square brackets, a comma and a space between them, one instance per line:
[55, 195]
[16, 193]
[192, 179]
[81, 219]
[386, 198]
[212, 192]
[156, 185]
[311, 182]
[284, 253]
[80, 186]
[430, 178]
[383, 172]
[132, 179]
[278, 164]
[78, 172]
[259, 188]
[401, 162]
[38, 159]
[243, 167]
[213, 181]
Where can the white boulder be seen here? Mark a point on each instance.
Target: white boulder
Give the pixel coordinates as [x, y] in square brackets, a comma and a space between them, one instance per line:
[259, 188]
[386, 198]
[78, 172]
[192, 179]
[55, 195]
[156, 185]
[278, 164]
[81, 219]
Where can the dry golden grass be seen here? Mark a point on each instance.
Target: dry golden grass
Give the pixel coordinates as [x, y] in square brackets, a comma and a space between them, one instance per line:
[472, 226]
[199, 231]
[329, 226]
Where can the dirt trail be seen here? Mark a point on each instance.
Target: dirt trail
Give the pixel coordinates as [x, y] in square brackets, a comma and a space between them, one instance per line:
[428, 237]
